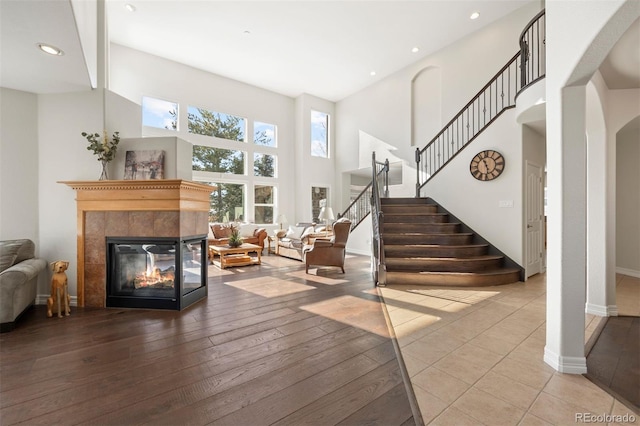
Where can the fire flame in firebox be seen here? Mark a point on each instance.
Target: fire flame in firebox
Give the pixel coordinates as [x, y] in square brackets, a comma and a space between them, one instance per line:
[155, 278]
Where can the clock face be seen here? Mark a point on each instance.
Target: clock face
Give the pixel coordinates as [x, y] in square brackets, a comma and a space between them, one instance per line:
[487, 165]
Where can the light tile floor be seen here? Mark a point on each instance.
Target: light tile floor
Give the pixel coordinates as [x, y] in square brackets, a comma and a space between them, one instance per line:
[475, 356]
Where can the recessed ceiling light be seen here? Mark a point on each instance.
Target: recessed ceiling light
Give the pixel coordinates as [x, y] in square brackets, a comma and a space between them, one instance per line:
[474, 15]
[415, 49]
[51, 50]
[246, 32]
[372, 73]
[130, 7]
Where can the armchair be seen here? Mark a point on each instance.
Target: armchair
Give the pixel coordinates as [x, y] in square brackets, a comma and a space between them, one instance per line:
[329, 252]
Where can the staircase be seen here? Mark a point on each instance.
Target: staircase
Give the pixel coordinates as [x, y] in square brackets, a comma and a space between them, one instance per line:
[424, 244]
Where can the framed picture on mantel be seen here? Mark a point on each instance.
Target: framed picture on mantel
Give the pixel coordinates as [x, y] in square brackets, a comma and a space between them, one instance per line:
[144, 165]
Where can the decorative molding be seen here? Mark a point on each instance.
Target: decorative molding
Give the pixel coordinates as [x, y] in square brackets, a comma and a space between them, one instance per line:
[132, 185]
[602, 311]
[629, 272]
[566, 364]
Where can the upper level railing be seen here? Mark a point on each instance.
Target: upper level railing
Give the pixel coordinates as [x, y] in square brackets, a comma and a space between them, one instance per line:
[361, 206]
[533, 51]
[523, 69]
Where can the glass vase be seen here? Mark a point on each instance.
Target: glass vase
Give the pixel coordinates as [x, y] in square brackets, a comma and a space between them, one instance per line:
[105, 173]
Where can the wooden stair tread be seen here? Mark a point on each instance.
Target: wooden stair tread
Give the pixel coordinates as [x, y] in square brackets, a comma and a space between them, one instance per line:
[434, 234]
[449, 259]
[392, 246]
[414, 213]
[501, 271]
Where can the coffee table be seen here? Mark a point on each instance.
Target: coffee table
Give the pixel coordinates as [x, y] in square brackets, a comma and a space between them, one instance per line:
[236, 256]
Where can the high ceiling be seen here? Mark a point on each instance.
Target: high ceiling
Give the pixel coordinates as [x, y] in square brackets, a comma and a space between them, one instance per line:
[326, 48]
[322, 47]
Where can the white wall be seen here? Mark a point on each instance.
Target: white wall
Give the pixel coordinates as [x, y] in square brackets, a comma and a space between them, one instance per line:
[313, 171]
[63, 157]
[622, 107]
[383, 110]
[19, 166]
[477, 203]
[628, 199]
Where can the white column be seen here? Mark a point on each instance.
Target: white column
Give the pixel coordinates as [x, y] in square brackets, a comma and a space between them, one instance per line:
[600, 275]
[566, 269]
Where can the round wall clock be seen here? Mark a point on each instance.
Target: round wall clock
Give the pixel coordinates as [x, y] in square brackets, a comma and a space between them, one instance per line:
[487, 165]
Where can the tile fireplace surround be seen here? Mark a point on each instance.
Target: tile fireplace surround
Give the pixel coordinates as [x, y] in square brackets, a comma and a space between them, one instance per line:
[131, 208]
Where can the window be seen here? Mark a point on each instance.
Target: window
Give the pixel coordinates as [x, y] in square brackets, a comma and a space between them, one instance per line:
[217, 124]
[219, 160]
[264, 134]
[227, 202]
[159, 113]
[319, 196]
[264, 165]
[264, 203]
[319, 134]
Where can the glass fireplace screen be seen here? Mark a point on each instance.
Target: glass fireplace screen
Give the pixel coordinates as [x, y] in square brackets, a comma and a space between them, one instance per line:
[151, 269]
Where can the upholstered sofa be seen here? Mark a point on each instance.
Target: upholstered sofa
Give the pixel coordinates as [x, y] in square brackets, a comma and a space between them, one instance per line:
[19, 270]
[290, 242]
[250, 233]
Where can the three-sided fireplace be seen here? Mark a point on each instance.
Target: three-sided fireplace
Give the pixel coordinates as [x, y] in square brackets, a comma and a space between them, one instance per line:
[156, 272]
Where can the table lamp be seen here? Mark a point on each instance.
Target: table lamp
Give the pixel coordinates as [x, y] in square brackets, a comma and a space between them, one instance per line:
[281, 219]
[326, 214]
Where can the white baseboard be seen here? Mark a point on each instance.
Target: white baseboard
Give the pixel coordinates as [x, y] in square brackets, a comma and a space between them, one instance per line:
[602, 311]
[629, 272]
[565, 364]
[41, 299]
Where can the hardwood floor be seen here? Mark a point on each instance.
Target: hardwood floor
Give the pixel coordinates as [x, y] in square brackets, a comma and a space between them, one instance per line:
[270, 345]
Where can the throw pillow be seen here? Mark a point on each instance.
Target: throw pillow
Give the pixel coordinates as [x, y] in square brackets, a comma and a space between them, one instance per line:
[6, 260]
[247, 230]
[9, 253]
[221, 231]
[295, 232]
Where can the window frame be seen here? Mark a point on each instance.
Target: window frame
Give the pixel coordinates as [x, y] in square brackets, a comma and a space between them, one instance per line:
[326, 142]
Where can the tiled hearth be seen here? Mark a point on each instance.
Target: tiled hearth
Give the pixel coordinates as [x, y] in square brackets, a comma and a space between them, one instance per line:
[160, 208]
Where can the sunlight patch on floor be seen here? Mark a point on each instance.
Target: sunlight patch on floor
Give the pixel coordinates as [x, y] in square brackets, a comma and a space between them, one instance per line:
[270, 287]
[350, 310]
[318, 278]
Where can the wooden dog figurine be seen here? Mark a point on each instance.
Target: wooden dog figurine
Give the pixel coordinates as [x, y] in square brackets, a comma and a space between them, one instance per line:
[59, 290]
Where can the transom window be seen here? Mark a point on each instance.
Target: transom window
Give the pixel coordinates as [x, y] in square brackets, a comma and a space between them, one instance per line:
[159, 113]
[210, 123]
[319, 134]
[264, 134]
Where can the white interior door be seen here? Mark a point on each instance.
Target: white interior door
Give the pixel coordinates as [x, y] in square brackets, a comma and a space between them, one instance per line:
[535, 219]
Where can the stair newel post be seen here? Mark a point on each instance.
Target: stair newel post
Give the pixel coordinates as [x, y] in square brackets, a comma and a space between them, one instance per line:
[417, 172]
[386, 178]
[382, 269]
